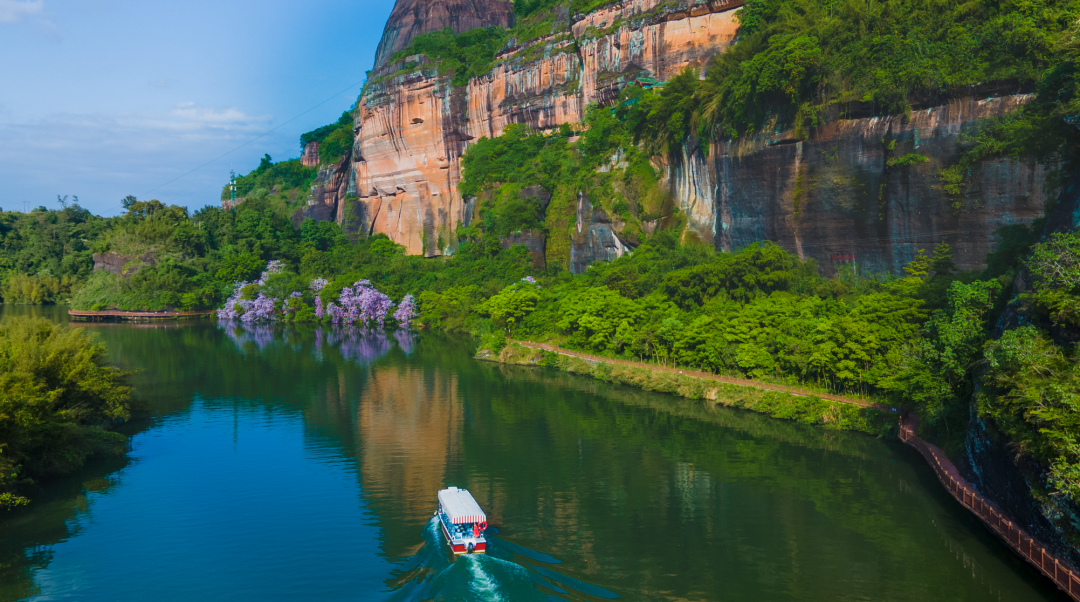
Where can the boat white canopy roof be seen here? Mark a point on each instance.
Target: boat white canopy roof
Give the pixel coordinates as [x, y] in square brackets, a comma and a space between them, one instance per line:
[460, 507]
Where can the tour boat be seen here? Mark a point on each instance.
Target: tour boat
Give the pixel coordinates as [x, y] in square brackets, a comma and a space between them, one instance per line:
[463, 522]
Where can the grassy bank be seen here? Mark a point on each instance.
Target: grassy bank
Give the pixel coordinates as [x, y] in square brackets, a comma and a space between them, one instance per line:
[809, 410]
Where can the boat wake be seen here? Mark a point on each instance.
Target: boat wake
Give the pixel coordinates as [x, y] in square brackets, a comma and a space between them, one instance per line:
[434, 574]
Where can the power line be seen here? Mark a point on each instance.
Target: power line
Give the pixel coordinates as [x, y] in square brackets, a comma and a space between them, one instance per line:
[271, 130]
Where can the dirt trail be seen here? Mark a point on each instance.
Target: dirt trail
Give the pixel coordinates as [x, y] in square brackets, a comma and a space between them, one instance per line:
[742, 382]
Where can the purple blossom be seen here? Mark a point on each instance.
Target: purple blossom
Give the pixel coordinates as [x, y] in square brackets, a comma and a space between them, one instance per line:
[406, 311]
[272, 267]
[259, 310]
[318, 284]
[234, 306]
[360, 303]
[529, 280]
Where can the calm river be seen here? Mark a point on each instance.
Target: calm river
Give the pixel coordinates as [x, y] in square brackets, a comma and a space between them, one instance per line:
[303, 463]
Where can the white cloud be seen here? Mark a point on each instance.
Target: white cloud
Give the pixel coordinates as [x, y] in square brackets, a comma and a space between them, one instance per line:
[14, 10]
[192, 113]
[102, 157]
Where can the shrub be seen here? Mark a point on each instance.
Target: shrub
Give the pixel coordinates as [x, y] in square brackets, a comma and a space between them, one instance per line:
[58, 398]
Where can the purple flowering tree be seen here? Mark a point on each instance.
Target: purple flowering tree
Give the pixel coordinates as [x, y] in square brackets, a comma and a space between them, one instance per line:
[259, 309]
[360, 303]
[406, 311]
[317, 285]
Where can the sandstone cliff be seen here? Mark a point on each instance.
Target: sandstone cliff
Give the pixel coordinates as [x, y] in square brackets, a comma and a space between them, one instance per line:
[835, 192]
[831, 191]
[411, 128]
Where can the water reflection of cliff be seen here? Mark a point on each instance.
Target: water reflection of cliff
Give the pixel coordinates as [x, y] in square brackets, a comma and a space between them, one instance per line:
[408, 423]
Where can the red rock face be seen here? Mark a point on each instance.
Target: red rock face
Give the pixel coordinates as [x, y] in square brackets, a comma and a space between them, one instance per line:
[651, 40]
[411, 18]
[413, 128]
[310, 158]
[832, 192]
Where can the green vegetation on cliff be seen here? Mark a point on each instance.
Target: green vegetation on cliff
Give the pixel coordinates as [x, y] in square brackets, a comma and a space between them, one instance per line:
[281, 176]
[58, 400]
[1032, 381]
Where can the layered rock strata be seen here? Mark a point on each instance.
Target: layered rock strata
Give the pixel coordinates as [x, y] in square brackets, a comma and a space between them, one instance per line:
[862, 188]
[831, 193]
[412, 127]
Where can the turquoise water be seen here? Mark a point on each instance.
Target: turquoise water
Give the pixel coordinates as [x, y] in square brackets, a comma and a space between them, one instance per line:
[302, 464]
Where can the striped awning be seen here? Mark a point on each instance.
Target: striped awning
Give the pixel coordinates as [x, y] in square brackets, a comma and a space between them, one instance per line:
[460, 507]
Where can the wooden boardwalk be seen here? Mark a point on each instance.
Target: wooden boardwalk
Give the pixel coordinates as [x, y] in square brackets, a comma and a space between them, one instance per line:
[137, 315]
[1061, 573]
[1031, 550]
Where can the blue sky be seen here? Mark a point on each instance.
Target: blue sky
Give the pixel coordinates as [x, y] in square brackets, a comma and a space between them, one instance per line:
[105, 98]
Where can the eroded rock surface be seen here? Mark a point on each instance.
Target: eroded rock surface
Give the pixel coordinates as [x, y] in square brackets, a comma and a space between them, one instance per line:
[835, 191]
[828, 192]
[412, 128]
[595, 238]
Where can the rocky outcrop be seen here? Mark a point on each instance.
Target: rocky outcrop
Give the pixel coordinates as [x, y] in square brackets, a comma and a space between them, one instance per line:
[310, 156]
[649, 37]
[533, 240]
[329, 191]
[595, 238]
[121, 265]
[843, 189]
[411, 18]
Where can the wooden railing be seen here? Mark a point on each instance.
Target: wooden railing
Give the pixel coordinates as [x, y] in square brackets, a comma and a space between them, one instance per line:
[1062, 574]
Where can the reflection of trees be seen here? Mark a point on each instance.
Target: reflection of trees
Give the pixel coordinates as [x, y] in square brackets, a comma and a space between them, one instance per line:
[584, 471]
[57, 515]
[231, 366]
[357, 345]
[569, 466]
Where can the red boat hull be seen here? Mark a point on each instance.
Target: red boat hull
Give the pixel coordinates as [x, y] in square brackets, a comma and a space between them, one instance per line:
[480, 547]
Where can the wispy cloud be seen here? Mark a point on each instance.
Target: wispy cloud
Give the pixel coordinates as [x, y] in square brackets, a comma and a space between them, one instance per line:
[12, 11]
[102, 157]
[192, 114]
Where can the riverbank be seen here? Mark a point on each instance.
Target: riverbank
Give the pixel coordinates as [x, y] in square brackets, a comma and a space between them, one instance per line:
[137, 316]
[792, 403]
[787, 403]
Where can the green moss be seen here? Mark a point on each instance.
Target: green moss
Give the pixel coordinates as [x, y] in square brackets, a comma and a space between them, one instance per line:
[907, 160]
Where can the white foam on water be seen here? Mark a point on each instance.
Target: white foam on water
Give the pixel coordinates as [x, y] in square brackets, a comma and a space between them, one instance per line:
[482, 584]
